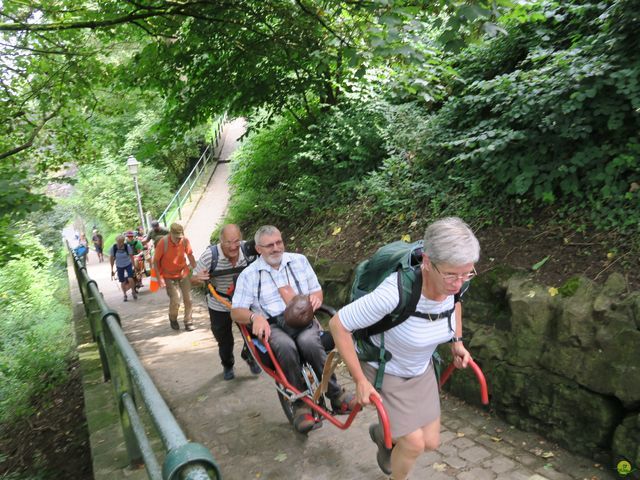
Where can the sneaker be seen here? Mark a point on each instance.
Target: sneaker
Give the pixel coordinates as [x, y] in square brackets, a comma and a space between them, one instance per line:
[253, 366]
[125, 299]
[228, 373]
[189, 327]
[135, 295]
[384, 454]
[343, 403]
[174, 324]
[303, 420]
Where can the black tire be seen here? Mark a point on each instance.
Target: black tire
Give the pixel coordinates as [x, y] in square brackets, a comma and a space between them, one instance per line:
[287, 407]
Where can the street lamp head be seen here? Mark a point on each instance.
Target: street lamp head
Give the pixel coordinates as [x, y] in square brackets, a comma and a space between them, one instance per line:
[132, 165]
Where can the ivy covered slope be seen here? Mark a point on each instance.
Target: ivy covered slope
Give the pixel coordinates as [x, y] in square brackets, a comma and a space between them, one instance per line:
[534, 127]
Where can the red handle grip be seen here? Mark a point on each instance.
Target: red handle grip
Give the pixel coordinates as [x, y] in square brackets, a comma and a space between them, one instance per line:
[384, 420]
[484, 393]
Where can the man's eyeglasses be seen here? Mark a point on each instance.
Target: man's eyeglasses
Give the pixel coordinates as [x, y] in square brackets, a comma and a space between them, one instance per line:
[452, 277]
[269, 246]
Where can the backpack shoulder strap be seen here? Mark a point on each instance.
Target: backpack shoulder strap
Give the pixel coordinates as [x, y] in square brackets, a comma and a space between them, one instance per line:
[161, 246]
[409, 289]
[214, 258]
[414, 297]
[463, 289]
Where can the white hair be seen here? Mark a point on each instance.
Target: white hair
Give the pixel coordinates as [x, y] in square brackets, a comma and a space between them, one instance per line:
[265, 230]
[450, 240]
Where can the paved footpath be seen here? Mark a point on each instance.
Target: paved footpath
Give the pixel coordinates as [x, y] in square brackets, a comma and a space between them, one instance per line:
[242, 423]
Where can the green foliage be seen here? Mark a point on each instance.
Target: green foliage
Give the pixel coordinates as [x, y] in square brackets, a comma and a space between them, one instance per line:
[548, 121]
[569, 288]
[35, 334]
[402, 186]
[106, 193]
[284, 172]
[19, 197]
[47, 226]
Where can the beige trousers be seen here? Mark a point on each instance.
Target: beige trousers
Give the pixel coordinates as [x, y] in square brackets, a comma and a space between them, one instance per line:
[184, 285]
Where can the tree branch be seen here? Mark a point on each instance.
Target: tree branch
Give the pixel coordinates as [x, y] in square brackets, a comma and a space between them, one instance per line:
[59, 26]
[305, 9]
[32, 137]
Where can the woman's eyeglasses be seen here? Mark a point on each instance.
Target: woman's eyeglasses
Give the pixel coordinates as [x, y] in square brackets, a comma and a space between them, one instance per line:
[452, 277]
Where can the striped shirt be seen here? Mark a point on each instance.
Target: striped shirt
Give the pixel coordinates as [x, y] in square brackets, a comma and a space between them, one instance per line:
[268, 302]
[223, 283]
[411, 343]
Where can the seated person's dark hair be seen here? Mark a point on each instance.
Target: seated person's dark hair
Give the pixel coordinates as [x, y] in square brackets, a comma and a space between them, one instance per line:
[299, 312]
[296, 317]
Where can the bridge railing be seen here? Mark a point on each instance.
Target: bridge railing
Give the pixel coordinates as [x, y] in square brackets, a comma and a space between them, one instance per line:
[183, 195]
[133, 388]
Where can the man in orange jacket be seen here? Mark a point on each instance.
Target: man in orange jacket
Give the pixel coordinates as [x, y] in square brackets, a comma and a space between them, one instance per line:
[172, 270]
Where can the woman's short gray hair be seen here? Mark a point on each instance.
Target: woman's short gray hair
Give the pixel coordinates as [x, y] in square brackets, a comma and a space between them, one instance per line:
[265, 230]
[450, 240]
[120, 238]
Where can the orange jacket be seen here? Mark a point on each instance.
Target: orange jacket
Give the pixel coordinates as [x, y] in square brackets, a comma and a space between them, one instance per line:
[171, 257]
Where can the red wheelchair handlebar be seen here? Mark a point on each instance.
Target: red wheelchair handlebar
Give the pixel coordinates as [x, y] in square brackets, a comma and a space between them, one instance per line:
[484, 393]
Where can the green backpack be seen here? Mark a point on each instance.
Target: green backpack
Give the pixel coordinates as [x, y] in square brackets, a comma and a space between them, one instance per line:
[404, 259]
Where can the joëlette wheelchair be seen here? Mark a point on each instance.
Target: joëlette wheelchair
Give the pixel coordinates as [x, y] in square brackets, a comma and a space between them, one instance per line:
[314, 395]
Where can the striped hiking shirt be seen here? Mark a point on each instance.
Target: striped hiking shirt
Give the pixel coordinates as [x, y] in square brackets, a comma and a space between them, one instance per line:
[411, 343]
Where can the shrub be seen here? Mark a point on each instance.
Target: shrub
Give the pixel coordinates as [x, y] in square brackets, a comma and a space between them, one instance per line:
[549, 121]
[35, 333]
[286, 172]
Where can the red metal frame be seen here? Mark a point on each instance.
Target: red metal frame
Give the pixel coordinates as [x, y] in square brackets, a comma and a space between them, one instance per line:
[278, 375]
[484, 394]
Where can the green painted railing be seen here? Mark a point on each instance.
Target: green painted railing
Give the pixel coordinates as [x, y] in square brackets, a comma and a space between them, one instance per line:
[183, 195]
[132, 384]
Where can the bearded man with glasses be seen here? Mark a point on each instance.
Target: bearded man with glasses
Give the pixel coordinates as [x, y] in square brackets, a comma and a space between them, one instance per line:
[263, 291]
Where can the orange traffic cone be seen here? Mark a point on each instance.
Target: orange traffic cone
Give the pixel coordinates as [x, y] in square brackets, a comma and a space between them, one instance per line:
[154, 284]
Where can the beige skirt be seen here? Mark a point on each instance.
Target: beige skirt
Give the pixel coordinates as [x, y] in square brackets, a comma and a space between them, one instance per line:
[411, 403]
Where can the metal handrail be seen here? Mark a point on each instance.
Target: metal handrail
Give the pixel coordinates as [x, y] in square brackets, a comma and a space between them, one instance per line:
[180, 198]
[184, 460]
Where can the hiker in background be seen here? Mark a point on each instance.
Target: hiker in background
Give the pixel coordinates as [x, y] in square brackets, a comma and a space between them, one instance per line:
[156, 233]
[230, 256]
[409, 389]
[98, 244]
[262, 292]
[170, 262]
[121, 254]
[133, 242]
[138, 259]
[82, 250]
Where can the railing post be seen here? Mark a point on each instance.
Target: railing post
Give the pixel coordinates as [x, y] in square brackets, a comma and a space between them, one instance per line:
[122, 385]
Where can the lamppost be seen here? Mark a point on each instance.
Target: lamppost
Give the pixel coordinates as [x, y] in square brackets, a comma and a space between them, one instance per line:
[132, 165]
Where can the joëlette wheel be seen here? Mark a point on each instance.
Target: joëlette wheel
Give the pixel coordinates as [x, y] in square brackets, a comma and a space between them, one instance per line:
[287, 407]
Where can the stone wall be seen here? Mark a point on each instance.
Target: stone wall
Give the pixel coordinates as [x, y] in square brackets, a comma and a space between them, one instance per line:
[562, 362]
